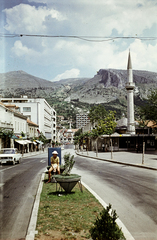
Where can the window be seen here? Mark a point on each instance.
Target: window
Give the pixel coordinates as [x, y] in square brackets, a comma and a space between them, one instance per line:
[26, 109]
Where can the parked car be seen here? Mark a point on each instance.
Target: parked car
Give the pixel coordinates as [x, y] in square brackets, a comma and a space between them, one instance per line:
[10, 155]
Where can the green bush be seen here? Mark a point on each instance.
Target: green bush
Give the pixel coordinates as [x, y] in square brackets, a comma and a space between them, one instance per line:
[105, 227]
[69, 163]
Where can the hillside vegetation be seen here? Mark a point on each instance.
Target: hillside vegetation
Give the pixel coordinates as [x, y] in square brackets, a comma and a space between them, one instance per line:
[74, 95]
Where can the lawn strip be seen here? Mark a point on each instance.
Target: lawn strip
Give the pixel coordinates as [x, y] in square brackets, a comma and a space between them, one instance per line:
[66, 216]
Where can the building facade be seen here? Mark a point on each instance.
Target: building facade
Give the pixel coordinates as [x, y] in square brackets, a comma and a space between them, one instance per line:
[6, 124]
[38, 111]
[82, 120]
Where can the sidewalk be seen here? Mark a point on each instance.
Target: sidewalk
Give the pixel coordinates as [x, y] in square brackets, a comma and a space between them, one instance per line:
[126, 158]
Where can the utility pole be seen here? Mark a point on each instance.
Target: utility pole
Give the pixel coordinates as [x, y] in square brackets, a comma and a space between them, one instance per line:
[111, 149]
[143, 152]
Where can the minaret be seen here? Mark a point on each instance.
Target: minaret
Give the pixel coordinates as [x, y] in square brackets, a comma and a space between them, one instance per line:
[130, 98]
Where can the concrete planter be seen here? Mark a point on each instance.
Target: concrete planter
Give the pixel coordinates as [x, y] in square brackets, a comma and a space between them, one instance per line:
[67, 182]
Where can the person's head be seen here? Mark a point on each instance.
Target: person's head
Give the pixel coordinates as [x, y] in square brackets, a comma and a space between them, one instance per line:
[54, 153]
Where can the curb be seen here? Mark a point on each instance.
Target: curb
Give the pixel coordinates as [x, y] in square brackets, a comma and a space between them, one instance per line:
[114, 161]
[33, 219]
[125, 231]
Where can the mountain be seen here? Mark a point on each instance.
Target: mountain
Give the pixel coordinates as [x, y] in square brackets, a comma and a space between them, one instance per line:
[21, 79]
[70, 96]
[109, 84]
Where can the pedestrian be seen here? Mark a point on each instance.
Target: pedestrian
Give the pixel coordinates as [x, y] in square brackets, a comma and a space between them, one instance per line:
[106, 148]
[54, 165]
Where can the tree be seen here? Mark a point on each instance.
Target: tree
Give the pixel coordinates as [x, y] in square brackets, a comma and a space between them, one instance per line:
[149, 110]
[78, 132]
[105, 120]
[105, 226]
[77, 136]
[107, 125]
[97, 113]
[42, 138]
[6, 135]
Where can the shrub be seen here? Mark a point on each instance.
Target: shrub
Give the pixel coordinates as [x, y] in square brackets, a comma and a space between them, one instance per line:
[105, 226]
[69, 163]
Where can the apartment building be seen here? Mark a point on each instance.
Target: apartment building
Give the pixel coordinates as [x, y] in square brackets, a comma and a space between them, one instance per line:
[82, 120]
[38, 111]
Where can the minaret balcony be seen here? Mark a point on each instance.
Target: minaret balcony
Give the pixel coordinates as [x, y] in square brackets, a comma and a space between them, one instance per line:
[130, 85]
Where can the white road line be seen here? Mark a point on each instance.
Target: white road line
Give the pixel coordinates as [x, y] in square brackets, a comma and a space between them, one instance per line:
[125, 231]
[7, 168]
[42, 161]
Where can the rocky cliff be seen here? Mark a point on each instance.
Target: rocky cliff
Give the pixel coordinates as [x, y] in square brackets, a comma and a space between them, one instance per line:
[106, 87]
[109, 84]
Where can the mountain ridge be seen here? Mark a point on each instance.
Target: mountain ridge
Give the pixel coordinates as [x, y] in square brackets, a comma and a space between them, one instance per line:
[74, 95]
[106, 86]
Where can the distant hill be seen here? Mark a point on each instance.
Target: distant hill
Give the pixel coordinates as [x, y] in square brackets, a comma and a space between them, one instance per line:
[21, 79]
[70, 96]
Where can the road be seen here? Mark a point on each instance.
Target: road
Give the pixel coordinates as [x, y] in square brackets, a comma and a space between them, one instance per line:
[19, 184]
[131, 191]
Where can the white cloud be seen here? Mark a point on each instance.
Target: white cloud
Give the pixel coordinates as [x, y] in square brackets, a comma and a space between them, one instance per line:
[94, 17]
[83, 18]
[144, 56]
[38, 1]
[88, 58]
[73, 73]
[29, 19]
[25, 53]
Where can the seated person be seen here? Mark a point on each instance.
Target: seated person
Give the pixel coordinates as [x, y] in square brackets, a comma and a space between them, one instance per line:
[54, 165]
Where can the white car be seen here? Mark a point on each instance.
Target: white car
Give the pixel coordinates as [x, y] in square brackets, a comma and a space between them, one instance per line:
[10, 155]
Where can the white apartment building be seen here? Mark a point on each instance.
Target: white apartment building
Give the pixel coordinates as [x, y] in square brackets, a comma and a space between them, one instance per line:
[82, 120]
[12, 121]
[6, 118]
[20, 124]
[38, 111]
[6, 123]
[32, 129]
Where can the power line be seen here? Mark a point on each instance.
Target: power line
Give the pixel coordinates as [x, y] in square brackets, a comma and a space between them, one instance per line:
[84, 38]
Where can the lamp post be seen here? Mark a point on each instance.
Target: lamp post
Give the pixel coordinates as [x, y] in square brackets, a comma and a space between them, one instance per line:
[143, 152]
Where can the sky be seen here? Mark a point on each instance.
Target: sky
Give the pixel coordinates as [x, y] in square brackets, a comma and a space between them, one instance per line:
[59, 39]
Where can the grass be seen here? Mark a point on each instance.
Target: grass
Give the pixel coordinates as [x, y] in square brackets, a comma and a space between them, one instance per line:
[64, 216]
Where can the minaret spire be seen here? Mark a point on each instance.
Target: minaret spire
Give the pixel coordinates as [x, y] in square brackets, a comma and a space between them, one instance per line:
[129, 61]
[130, 97]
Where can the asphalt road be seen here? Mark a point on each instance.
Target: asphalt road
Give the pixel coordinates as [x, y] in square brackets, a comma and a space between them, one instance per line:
[131, 191]
[19, 184]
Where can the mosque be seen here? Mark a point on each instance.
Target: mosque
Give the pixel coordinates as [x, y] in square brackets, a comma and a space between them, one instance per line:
[128, 135]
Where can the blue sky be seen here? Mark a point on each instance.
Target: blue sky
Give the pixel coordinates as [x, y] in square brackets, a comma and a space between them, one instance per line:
[55, 58]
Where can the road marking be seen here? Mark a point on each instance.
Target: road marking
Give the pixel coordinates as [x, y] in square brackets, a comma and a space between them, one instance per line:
[125, 231]
[1, 185]
[7, 168]
[29, 161]
[42, 161]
